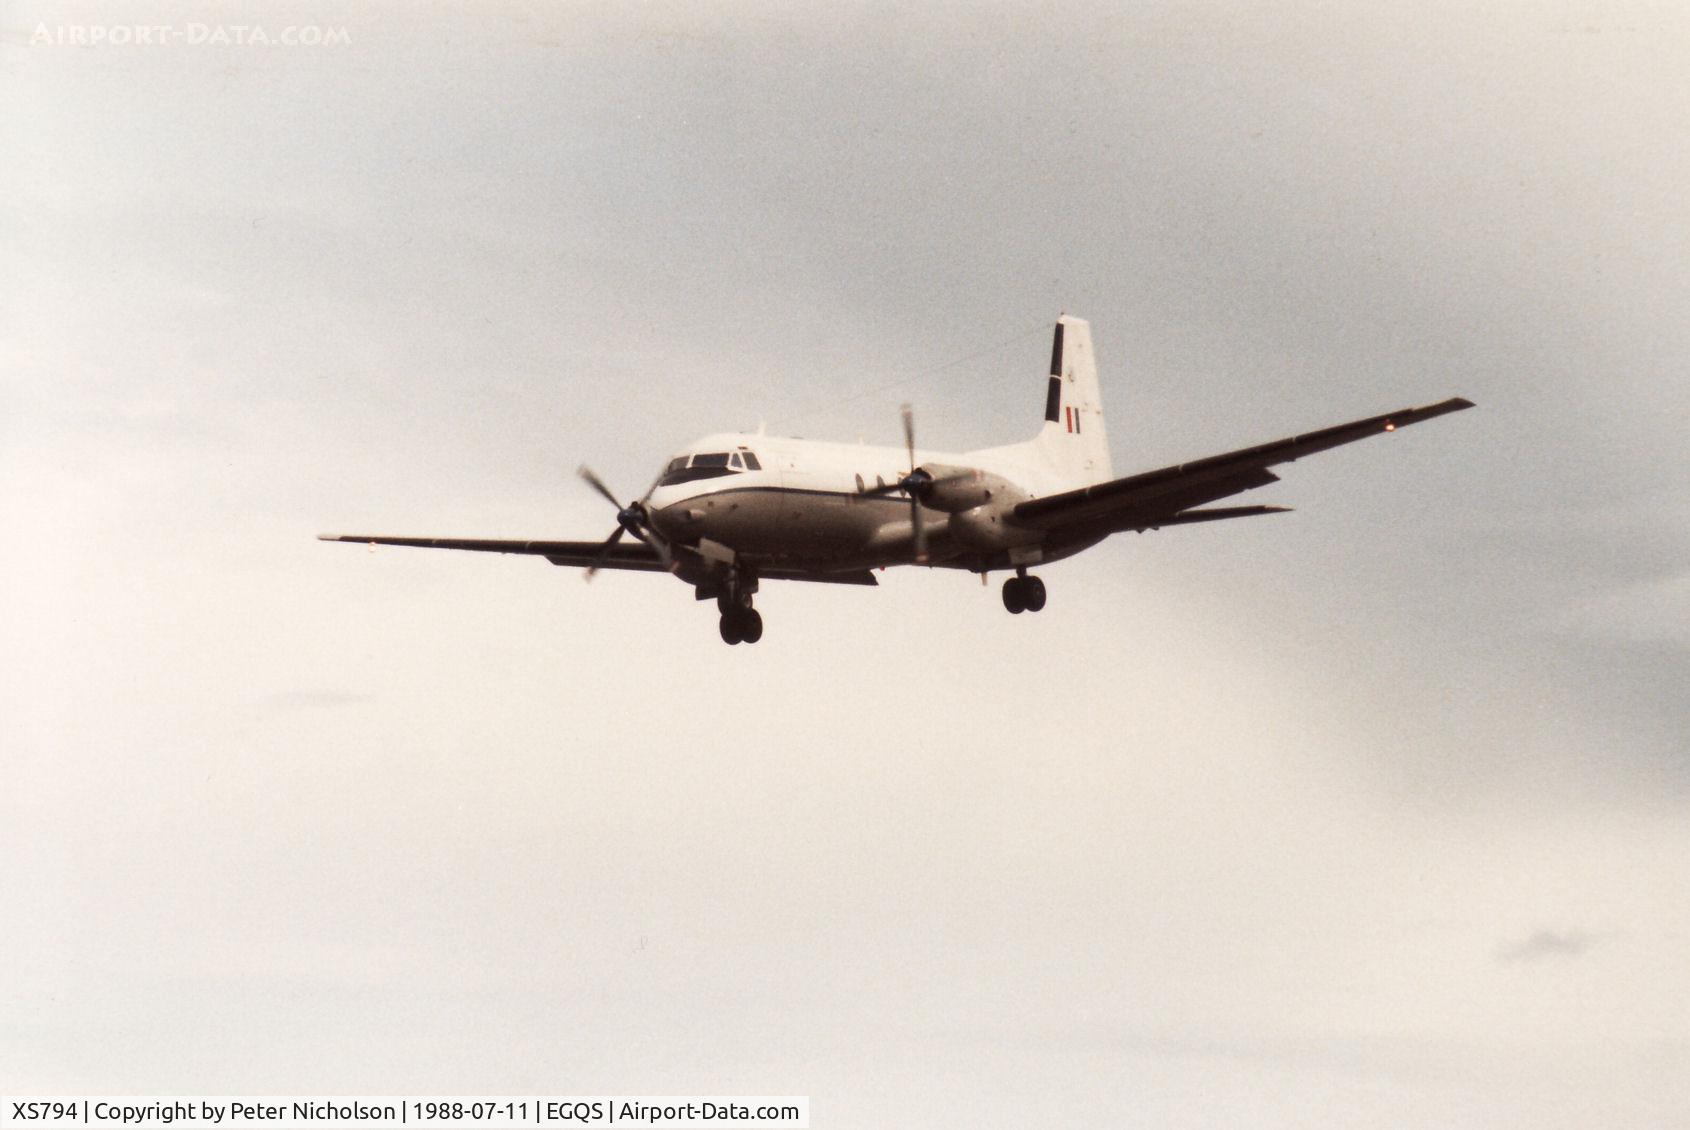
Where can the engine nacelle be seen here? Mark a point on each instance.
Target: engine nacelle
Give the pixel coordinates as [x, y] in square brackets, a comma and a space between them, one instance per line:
[988, 527]
[956, 489]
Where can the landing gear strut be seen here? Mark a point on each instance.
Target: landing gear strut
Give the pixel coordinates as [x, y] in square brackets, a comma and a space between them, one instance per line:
[1022, 593]
[741, 623]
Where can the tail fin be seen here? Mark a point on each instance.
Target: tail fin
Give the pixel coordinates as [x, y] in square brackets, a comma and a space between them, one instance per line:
[1073, 440]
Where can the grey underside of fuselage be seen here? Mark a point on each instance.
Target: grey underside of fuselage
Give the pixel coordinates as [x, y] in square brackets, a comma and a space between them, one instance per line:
[828, 531]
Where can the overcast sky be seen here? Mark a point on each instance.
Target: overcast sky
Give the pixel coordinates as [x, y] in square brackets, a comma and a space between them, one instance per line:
[1372, 814]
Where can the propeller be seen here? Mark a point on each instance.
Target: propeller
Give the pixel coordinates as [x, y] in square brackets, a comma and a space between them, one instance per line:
[917, 527]
[913, 484]
[630, 519]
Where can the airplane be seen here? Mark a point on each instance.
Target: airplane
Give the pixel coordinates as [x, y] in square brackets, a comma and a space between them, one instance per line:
[732, 510]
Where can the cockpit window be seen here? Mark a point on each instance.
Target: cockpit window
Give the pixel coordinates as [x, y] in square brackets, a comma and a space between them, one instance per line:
[706, 465]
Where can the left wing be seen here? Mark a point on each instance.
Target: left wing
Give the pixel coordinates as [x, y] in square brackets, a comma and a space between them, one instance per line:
[1163, 498]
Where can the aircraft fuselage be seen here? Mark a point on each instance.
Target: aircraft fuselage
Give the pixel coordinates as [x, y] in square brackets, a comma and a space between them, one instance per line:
[814, 506]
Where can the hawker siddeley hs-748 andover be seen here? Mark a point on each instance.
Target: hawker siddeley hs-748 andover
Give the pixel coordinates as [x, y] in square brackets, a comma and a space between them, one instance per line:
[732, 510]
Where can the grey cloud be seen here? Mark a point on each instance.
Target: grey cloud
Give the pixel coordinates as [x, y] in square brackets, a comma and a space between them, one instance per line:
[1549, 944]
[312, 700]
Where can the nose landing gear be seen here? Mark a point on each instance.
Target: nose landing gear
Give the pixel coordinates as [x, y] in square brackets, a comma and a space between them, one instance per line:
[1022, 593]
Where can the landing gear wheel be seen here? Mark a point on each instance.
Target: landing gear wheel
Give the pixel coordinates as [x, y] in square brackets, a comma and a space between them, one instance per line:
[1033, 592]
[741, 625]
[1014, 596]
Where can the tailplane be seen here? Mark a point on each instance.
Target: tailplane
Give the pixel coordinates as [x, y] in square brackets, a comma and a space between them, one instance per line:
[1073, 440]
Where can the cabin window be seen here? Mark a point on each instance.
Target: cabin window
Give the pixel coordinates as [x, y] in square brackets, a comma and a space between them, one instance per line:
[714, 459]
[734, 462]
[751, 463]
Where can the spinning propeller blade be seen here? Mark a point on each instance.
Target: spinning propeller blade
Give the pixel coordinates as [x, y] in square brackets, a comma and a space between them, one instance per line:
[597, 484]
[912, 485]
[604, 551]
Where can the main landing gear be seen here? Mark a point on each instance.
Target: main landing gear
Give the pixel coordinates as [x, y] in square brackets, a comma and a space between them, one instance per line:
[741, 623]
[1022, 593]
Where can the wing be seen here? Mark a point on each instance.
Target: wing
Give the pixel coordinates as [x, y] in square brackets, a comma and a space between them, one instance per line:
[1164, 497]
[623, 555]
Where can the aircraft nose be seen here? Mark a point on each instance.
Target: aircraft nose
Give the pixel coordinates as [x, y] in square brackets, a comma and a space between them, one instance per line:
[660, 499]
[677, 520]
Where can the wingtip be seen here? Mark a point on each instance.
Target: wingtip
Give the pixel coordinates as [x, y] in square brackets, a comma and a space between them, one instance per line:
[331, 537]
[1428, 411]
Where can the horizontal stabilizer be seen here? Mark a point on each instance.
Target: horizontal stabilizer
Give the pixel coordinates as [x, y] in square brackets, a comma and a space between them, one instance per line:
[1218, 513]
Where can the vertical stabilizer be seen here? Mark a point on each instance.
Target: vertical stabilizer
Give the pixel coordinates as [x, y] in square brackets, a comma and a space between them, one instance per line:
[1073, 440]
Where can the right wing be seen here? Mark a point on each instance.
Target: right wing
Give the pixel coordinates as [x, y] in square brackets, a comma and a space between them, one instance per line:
[1163, 498]
[623, 555]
